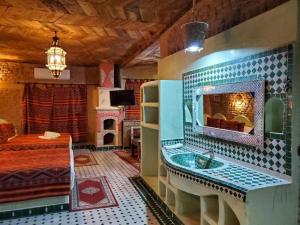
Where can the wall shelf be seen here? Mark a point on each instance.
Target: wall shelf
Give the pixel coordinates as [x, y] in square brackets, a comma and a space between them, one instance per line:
[150, 104]
[153, 126]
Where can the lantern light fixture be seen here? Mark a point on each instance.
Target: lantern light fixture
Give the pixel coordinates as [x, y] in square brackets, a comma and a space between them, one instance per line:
[56, 58]
[194, 34]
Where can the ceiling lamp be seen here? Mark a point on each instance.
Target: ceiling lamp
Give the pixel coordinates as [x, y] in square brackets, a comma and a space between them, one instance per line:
[56, 58]
[194, 34]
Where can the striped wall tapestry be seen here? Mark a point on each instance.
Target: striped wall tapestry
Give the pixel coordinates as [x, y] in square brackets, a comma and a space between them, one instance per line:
[53, 107]
[133, 112]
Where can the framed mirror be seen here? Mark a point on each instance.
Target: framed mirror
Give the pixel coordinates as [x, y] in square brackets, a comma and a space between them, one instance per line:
[233, 112]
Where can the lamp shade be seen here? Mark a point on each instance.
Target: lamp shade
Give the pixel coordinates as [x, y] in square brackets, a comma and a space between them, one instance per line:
[194, 35]
[56, 58]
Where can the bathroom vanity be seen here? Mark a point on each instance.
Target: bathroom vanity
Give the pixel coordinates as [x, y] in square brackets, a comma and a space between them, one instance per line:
[240, 111]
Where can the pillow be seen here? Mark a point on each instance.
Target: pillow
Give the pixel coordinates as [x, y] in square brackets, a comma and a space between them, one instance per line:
[7, 130]
[3, 137]
[212, 122]
[229, 125]
[241, 127]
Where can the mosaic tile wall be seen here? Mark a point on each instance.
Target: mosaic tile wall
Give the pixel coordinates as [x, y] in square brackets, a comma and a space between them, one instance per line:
[275, 66]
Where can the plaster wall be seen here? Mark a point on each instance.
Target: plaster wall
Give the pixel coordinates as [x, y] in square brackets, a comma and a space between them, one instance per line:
[140, 72]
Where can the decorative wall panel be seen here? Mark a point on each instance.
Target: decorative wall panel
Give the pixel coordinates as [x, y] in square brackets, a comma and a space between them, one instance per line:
[275, 66]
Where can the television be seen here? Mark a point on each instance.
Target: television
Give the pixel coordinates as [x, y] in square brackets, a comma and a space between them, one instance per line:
[122, 97]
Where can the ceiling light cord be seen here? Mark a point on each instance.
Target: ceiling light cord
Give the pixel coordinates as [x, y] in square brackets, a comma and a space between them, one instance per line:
[193, 10]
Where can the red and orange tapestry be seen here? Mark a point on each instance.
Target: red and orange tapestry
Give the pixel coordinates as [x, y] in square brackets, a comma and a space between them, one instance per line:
[53, 107]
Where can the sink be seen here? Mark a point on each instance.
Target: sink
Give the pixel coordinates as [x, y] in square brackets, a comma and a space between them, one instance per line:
[195, 161]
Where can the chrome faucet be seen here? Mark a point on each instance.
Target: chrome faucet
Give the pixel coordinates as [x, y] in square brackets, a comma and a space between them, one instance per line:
[210, 152]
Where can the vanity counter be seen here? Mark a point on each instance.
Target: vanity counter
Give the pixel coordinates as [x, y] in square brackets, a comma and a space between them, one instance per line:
[231, 178]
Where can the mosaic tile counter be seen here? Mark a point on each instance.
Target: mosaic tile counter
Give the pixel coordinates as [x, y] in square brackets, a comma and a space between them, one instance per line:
[232, 179]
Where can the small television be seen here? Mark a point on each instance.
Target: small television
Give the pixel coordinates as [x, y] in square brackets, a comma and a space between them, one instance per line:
[122, 97]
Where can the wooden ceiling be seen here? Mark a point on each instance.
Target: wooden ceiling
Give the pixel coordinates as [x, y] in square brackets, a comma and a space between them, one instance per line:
[125, 32]
[91, 31]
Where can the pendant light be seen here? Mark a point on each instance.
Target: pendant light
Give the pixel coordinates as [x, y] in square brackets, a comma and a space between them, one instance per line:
[194, 33]
[56, 58]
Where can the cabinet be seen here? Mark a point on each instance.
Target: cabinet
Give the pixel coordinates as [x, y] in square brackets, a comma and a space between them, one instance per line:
[161, 119]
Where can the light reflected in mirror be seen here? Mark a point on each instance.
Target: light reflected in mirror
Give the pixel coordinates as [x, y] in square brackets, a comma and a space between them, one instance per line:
[188, 107]
[274, 112]
[230, 111]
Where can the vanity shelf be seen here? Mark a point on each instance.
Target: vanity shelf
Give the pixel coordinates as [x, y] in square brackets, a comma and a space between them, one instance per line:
[158, 99]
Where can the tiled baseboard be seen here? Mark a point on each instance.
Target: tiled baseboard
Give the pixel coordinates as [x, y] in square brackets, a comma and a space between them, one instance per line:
[161, 211]
[33, 211]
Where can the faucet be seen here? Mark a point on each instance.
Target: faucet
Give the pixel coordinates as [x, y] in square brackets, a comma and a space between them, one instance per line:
[210, 152]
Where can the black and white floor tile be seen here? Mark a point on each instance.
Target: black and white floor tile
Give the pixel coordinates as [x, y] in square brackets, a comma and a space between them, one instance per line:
[131, 210]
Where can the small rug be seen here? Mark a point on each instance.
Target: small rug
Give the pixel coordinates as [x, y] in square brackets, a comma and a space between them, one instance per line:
[126, 156]
[91, 193]
[84, 158]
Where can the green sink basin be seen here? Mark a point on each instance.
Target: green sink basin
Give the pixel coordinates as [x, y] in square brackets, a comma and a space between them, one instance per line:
[195, 161]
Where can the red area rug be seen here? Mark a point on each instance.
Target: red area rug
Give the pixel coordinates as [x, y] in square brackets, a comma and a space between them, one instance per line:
[84, 158]
[91, 193]
[126, 156]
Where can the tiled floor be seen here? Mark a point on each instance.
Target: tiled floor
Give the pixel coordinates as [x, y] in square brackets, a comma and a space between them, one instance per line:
[131, 210]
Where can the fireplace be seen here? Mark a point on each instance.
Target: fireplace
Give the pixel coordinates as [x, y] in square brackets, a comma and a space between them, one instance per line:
[109, 139]
[108, 127]
[109, 124]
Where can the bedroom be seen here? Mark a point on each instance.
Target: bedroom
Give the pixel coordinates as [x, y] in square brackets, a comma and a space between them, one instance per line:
[75, 150]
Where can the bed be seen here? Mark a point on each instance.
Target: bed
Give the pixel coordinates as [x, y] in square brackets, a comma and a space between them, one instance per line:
[33, 142]
[35, 172]
[31, 174]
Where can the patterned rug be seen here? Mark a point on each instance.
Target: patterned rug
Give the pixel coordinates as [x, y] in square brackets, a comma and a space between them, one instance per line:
[91, 193]
[84, 158]
[126, 156]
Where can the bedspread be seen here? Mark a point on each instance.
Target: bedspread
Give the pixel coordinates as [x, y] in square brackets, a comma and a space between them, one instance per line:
[32, 141]
[30, 174]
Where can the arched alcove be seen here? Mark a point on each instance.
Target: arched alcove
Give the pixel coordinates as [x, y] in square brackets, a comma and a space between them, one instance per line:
[274, 115]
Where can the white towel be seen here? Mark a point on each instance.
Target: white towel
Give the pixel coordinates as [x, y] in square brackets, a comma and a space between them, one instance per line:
[50, 135]
[178, 145]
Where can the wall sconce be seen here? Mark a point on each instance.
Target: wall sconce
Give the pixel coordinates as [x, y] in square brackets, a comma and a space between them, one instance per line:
[194, 34]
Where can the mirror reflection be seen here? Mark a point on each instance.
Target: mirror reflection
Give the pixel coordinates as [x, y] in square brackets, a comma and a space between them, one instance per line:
[230, 111]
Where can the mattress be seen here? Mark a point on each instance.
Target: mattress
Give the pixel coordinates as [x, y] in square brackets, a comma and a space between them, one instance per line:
[32, 142]
[31, 174]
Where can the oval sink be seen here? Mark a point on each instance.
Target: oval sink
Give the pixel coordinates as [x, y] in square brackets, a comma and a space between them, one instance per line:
[195, 161]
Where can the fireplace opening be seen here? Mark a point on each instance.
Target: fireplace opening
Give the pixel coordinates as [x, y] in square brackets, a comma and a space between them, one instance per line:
[109, 124]
[108, 139]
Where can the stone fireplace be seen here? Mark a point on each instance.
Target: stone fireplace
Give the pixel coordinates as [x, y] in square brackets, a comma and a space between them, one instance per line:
[108, 127]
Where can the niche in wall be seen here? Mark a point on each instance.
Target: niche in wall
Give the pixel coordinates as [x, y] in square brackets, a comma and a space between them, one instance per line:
[274, 115]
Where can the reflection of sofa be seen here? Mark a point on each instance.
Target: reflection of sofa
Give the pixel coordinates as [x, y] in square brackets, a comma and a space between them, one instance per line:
[225, 124]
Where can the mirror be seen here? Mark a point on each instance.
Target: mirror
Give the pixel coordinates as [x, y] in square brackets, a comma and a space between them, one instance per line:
[233, 112]
[230, 111]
